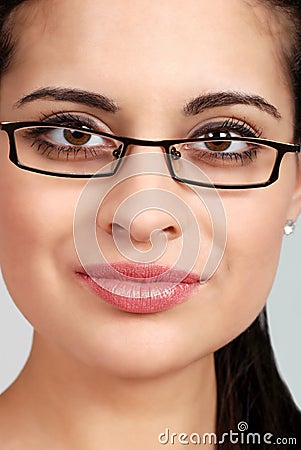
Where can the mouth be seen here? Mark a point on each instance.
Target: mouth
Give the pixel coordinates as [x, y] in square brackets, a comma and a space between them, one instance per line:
[139, 288]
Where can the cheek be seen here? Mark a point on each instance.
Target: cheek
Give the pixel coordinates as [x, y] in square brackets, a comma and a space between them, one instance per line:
[238, 290]
[36, 221]
[255, 230]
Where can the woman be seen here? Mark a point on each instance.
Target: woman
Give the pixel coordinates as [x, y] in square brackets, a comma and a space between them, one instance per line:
[118, 361]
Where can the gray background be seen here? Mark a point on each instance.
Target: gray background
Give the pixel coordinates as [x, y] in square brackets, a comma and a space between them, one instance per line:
[284, 307]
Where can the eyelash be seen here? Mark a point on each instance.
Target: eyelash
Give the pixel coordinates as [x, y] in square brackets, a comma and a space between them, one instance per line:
[81, 122]
[229, 125]
[69, 119]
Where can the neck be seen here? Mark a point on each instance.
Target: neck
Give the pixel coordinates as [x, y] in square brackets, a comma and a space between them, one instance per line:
[60, 393]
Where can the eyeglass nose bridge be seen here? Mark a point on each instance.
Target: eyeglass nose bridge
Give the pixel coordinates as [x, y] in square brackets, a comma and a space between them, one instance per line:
[149, 162]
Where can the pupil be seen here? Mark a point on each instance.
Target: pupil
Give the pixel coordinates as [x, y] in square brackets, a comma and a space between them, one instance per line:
[77, 134]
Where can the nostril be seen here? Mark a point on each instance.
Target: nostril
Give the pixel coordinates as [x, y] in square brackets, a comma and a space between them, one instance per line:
[169, 230]
[144, 225]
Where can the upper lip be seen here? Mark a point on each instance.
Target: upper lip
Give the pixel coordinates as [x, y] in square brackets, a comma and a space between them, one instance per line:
[140, 273]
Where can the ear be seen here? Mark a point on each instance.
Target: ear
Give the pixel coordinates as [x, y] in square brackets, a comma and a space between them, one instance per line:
[295, 206]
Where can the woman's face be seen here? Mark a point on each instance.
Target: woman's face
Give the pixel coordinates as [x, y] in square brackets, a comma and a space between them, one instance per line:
[151, 58]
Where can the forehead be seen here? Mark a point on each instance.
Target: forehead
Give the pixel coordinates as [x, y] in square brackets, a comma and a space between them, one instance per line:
[148, 47]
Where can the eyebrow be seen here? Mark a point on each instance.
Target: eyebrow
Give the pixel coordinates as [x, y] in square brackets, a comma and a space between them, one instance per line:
[227, 98]
[195, 106]
[83, 97]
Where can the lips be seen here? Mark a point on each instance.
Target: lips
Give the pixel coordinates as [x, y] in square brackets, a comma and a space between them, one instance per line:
[139, 288]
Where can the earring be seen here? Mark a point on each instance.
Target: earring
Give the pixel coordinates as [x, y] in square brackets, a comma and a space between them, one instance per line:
[289, 227]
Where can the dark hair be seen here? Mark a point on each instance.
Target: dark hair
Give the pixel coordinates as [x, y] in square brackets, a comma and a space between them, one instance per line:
[249, 385]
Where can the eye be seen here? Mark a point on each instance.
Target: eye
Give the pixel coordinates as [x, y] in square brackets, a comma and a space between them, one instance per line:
[218, 146]
[221, 132]
[64, 136]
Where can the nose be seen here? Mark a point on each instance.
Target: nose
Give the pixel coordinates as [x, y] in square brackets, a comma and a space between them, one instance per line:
[136, 204]
[151, 222]
[137, 208]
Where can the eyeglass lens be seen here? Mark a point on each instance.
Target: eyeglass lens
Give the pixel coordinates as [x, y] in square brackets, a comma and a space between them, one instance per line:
[65, 151]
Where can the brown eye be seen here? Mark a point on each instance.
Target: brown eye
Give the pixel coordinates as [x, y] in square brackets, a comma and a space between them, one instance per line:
[218, 146]
[76, 137]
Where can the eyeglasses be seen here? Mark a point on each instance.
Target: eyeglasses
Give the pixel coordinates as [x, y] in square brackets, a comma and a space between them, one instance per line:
[64, 151]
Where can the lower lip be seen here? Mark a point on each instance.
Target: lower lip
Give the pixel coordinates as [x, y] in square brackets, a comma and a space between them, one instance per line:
[142, 298]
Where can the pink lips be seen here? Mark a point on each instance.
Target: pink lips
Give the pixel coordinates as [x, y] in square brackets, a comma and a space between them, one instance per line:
[139, 288]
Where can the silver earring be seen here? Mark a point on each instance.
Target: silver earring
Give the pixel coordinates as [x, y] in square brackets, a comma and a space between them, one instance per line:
[289, 227]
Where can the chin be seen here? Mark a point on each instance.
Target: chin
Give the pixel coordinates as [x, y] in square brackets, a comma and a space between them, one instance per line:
[129, 358]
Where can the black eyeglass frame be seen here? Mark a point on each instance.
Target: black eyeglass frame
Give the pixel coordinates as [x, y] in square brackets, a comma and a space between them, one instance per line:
[167, 144]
